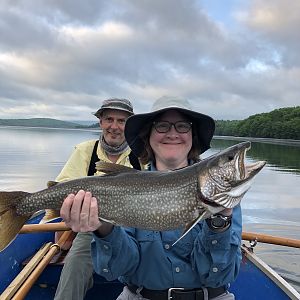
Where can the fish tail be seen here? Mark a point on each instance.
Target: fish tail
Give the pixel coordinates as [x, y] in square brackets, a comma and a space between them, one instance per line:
[10, 221]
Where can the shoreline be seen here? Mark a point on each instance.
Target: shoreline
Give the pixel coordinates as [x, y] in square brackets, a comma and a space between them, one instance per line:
[287, 142]
[49, 128]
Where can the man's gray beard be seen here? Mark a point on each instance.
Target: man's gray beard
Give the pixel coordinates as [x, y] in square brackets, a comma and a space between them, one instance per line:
[113, 150]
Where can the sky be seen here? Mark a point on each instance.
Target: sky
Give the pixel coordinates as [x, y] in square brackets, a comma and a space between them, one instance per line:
[231, 59]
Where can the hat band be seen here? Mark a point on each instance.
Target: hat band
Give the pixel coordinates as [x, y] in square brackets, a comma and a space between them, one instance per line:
[117, 105]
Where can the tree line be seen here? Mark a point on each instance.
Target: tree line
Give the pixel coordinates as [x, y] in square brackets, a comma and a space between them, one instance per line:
[282, 123]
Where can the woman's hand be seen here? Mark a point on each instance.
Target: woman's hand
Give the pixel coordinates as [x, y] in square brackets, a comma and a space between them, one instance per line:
[80, 212]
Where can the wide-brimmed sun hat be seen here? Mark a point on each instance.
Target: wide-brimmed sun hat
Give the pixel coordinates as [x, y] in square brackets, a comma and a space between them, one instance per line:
[115, 103]
[204, 124]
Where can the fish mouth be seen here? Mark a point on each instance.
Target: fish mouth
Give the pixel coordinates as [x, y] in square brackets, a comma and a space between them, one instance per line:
[227, 184]
[245, 171]
[245, 174]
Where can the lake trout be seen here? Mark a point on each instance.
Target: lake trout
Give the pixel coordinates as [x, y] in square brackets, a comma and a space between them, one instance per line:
[148, 200]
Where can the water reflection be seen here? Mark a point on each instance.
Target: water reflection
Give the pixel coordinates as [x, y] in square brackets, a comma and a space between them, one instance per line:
[282, 158]
[29, 157]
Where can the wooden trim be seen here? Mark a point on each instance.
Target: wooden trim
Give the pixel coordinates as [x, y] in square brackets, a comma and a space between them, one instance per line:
[250, 236]
[270, 239]
[32, 228]
[25, 272]
[55, 248]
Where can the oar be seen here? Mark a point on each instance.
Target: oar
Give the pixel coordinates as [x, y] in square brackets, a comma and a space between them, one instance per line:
[270, 239]
[250, 236]
[31, 228]
[55, 248]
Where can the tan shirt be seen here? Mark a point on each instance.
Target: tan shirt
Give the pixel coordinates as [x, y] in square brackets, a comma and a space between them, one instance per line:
[78, 164]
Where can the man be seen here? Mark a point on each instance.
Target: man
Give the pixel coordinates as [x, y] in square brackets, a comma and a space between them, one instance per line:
[76, 277]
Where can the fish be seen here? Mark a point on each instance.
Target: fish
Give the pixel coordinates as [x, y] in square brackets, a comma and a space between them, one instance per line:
[156, 200]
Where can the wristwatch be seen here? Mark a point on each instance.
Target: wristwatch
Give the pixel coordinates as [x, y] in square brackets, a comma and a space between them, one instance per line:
[218, 222]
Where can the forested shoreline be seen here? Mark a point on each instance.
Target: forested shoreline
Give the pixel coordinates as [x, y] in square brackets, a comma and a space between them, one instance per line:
[282, 123]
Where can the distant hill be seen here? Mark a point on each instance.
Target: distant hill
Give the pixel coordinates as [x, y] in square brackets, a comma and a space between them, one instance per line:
[282, 123]
[86, 123]
[40, 122]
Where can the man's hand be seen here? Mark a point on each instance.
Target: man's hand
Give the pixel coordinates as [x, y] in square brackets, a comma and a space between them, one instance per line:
[80, 212]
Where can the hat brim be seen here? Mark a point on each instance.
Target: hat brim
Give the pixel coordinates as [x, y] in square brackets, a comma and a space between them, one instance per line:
[99, 112]
[205, 128]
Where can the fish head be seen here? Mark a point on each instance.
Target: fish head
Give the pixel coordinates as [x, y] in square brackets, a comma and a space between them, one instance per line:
[225, 176]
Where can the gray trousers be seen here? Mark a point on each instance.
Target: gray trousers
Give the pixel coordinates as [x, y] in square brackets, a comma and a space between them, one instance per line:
[127, 295]
[77, 274]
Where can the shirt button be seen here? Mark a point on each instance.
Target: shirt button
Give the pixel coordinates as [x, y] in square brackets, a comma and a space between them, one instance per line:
[177, 269]
[105, 247]
[105, 270]
[215, 270]
[167, 246]
[214, 242]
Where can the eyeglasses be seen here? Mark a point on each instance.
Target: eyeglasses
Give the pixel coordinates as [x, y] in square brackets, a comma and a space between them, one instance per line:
[165, 126]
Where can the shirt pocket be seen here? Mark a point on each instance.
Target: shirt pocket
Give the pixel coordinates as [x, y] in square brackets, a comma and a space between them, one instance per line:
[146, 235]
[183, 247]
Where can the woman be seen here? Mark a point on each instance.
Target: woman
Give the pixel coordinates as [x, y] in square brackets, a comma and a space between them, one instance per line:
[206, 260]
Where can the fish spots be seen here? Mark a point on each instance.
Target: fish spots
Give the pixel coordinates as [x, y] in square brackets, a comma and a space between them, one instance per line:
[155, 200]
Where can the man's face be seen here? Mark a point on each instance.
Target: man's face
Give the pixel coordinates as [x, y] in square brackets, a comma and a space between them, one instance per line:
[112, 123]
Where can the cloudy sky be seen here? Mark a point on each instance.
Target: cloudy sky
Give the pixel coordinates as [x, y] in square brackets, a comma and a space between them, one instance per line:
[231, 59]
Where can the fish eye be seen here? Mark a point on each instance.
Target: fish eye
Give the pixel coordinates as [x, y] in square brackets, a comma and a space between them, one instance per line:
[230, 157]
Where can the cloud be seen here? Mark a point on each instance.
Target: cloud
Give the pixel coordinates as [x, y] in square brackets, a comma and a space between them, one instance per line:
[62, 59]
[276, 22]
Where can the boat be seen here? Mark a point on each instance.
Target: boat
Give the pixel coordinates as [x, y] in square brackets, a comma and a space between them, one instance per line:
[256, 280]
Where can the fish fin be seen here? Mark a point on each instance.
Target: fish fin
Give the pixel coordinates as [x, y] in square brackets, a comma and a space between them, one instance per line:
[189, 226]
[9, 199]
[51, 183]
[50, 215]
[110, 168]
[10, 222]
[108, 221]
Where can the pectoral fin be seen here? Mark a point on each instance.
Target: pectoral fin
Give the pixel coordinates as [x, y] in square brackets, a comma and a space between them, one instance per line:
[189, 226]
[50, 215]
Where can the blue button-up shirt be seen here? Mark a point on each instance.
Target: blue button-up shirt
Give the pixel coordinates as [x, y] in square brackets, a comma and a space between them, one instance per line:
[147, 258]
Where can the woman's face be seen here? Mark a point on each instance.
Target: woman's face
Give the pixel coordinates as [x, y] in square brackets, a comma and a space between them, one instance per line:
[171, 148]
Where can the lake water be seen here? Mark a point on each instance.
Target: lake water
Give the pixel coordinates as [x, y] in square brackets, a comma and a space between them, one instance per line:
[29, 157]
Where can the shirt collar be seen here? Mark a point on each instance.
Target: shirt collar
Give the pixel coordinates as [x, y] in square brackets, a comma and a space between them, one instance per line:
[152, 167]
